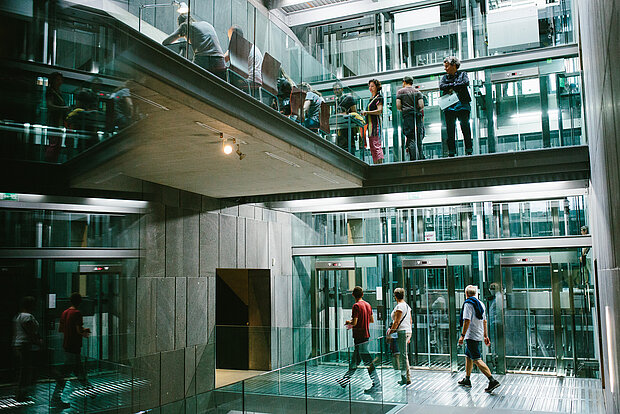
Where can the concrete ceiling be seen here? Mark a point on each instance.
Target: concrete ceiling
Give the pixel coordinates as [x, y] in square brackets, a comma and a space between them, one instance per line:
[169, 146]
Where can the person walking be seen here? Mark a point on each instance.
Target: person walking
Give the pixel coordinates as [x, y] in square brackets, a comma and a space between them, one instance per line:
[373, 114]
[72, 328]
[474, 322]
[205, 44]
[401, 325]
[410, 102]
[25, 344]
[456, 82]
[361, 317]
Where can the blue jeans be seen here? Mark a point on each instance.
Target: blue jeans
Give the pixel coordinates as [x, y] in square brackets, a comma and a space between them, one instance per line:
[312, 124]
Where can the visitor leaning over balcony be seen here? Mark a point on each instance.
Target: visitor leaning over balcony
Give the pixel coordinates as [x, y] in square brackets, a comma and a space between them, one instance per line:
[455, 103]
[312, 107]
[204, 42]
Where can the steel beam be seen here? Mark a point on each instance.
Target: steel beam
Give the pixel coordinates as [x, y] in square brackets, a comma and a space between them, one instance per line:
[69, 253]
[468, 65]
[523, 243]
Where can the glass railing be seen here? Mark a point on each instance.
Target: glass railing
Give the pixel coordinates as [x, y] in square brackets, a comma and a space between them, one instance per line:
[47, 383]
[470, 221]
[539, 108]
[321, 384]
[378, 43]
[51, 119]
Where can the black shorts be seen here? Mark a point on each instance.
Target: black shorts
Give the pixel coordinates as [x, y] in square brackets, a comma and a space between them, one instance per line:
[472, 349]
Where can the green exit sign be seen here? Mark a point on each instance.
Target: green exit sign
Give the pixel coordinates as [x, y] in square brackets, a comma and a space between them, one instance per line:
[9, 196]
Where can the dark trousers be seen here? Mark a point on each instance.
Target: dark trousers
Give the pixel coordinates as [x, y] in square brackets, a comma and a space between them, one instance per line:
[419, 131]
[360, 353]
[463, 117]
[342, 139]
[24, 358]
[73, 364]
[214, 64]
[409, 130]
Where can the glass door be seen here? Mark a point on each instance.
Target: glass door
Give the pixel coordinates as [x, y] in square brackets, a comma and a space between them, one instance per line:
[431, 296]
[521, 118]
[330, 287]
[99, 286]
[525, 316]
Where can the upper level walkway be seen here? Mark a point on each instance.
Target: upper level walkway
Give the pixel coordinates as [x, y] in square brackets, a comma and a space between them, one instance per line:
[149, 114]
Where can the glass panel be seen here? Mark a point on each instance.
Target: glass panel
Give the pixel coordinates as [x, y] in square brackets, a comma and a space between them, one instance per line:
[227, 399]
[469, 221]
[528, 319]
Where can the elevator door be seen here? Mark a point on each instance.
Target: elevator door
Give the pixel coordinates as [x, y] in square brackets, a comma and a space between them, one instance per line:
[431, 295]
[99, 287]
[331, 282]
[521, 113]
[525, 316]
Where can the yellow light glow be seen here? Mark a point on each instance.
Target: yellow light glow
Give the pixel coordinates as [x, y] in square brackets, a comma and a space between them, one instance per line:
[228, 149]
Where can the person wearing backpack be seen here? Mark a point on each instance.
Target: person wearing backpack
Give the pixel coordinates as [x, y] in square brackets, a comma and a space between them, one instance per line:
[401, 325]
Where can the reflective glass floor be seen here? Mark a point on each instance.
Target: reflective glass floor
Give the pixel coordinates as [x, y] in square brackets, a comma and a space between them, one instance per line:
[438, 392]
[109, 391]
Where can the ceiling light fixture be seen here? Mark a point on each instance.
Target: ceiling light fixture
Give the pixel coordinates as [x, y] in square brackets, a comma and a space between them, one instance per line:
[284, 160]
[326, 178]
[239, 153]
[226, 146]
[208, 127]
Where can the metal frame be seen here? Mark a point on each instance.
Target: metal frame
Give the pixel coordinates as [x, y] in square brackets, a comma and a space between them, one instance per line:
[70, 253]
[524, 243]
[317, 273]
[481, 63]
[556, 286]
[439, 263]
[499, 193]
[81, 204]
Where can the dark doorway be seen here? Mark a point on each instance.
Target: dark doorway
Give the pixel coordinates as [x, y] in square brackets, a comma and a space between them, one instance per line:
[243, 319]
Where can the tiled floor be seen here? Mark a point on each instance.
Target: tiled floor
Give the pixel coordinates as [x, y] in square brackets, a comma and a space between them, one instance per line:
[108, 392]
[438, 392]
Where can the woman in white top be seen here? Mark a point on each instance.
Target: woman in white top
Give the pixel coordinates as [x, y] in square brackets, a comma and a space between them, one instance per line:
[25, 342]
[401, 324]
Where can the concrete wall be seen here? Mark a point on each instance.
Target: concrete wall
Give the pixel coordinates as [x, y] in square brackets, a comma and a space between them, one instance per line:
[170, 306]
[600, 43]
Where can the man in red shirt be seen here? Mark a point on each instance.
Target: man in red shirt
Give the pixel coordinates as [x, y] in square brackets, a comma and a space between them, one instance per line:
[71, 325]
[360, 319]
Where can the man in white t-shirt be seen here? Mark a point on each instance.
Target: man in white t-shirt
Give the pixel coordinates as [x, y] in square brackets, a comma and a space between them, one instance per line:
[255, 58]
[474, 321]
